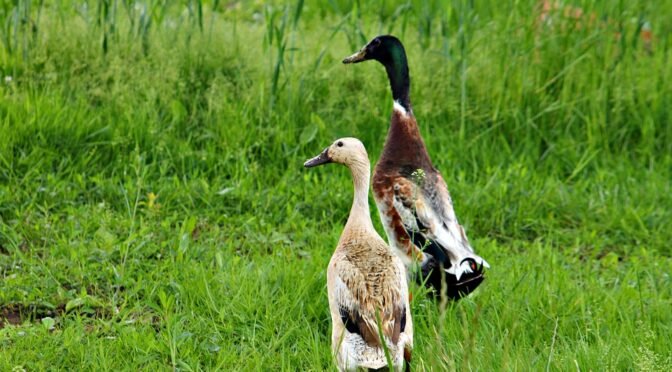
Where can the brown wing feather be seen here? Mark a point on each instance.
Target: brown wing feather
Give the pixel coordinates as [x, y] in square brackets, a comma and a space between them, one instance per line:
[367, 272]
[355, 323]
[393, 325]
[399, 321]
[384, 192]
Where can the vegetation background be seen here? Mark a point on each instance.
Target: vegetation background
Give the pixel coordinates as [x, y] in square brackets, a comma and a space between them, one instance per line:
[154, 212]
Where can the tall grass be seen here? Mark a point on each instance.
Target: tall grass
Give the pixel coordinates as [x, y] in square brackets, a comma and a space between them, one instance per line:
[152, 202]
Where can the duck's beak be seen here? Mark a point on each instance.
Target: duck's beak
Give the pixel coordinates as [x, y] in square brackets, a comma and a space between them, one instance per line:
[323, 158]
[357, 57]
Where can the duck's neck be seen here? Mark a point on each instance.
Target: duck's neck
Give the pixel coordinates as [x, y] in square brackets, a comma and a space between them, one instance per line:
[396, 66]
[359, 213]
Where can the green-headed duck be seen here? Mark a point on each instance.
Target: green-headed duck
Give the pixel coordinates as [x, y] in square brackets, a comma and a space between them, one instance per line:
[412, 197]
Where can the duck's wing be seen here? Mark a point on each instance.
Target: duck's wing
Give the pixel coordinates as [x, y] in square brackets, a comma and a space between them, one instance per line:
[363, 302]
[426, 211]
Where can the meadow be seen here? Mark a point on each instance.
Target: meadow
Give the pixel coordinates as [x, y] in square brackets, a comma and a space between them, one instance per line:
[155, 213]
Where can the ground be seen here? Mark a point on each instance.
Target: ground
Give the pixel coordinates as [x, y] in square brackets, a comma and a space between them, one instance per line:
[155, 214]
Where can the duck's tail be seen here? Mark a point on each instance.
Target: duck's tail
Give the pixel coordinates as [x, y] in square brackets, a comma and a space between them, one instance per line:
[456, 273]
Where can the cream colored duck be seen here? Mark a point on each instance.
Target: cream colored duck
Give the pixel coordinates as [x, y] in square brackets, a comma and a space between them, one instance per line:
[366, 282]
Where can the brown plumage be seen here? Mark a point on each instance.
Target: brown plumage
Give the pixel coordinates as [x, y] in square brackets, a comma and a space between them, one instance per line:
[403, 147]
[411, 195]
[403, 154]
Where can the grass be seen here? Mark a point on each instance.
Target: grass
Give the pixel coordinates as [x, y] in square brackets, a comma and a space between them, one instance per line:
[154, 212]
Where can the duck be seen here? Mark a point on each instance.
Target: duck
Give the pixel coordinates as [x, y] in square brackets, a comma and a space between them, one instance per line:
[366, 281]
[411, 195]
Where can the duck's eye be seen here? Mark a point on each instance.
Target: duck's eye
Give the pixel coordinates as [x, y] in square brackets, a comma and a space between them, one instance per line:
[376, 42]
[340, 144]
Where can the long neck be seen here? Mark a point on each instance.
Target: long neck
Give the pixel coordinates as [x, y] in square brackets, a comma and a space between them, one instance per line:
[397, 72]
[404, 146]
[359, 213]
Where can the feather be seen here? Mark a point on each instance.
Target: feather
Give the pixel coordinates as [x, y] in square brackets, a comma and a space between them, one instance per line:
[428, 218]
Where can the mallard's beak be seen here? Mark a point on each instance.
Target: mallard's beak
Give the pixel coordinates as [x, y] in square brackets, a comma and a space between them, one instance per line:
[357, 57]
[323, 158]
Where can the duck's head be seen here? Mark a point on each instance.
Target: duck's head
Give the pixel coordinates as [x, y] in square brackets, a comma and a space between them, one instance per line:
[384, 48]
[347, 151]
[390, 52]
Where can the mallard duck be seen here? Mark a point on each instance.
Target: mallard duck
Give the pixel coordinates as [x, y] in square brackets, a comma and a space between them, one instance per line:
[366, 282]
[412, 197]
